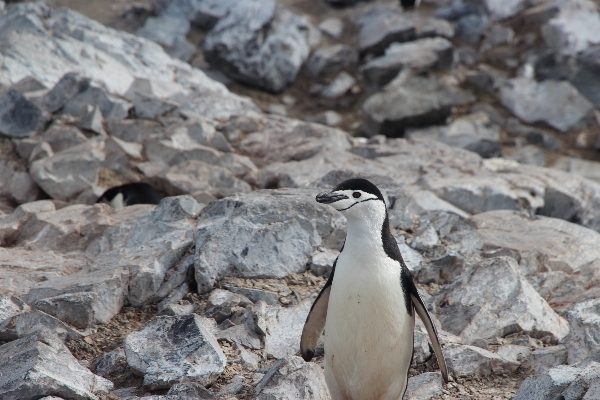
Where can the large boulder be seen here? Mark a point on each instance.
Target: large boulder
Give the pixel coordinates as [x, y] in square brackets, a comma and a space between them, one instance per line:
[410, 101]
[170, 349]
[268, 234]
[259, 43]
[555, 103]
[40, 365]
[493, 299]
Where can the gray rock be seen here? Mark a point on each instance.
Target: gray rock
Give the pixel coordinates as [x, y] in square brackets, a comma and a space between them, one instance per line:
[322, 261]
[240, 329]
[500, 10]
[474, 132]
[36, 365]
[170, 33]
[433, 27]
[95, 97]
[32, 322]
[329, 118]
[23, 189]
[331, 59]
[69, 86]
[111, 363]
[28, 84]
[290, 140]
[192, 176]
[190, 390]
[577, 166]
[380, 26]
[409, 101]
[251, 226]
[249, 359]
[255, 295]
[69, 172]
[529, 154]
[332, 27]
[282, 327]
[420, 55]
[471, 28]
[20, 117]
[587, 77]
[92, 120]
[493, 299]
[155, 244]
[572, 30]
[566, 247]
[473, 361]
[567, 382]
[545, 358]
[60, 137]
[169, 349]
[514, 352]
[10, 306]
[529, 100]
[424, 386]
[293, 379]
[82, 299]
[584, 336]
[151, 107]
[339, 86]
[237, 44]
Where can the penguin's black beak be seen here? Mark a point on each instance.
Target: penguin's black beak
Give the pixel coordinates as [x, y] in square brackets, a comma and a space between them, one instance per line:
[330, 197]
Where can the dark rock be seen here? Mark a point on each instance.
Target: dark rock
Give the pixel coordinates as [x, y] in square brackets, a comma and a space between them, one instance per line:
[69, 86]
[19, 117]
[293, 379]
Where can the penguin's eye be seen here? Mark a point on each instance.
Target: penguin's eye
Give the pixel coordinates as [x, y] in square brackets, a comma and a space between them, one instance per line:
[356, 195]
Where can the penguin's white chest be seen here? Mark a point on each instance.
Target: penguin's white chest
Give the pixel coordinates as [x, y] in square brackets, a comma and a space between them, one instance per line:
[368, 331]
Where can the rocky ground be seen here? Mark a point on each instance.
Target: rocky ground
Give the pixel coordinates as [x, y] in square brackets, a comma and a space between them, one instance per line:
[478, 120]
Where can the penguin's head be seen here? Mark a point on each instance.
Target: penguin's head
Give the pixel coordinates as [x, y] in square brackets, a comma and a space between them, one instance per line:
[355, 197]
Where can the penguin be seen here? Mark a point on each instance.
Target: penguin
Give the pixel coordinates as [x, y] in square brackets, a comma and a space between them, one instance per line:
[408, 4]
[367, 305]
[130, 194]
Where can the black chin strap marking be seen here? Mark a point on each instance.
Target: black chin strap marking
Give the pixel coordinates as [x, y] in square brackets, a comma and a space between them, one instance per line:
[344, 209]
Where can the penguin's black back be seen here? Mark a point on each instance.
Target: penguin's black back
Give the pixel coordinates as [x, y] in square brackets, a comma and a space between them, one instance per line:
[133, 193]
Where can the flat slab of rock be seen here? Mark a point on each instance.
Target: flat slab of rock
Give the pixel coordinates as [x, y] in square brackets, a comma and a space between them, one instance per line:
[474, 361]
[530, 101]
[39, 365]
[169, 349]
[103, 293]
[493, 299]
[293, 379]
[408, 102]
[566, 246]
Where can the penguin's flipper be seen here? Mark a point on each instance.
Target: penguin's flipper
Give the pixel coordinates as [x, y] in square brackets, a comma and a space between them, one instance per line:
[424, 315]
[315, 322]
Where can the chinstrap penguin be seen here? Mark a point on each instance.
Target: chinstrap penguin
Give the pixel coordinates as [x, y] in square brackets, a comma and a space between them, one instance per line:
[366, 306]
[130, 194]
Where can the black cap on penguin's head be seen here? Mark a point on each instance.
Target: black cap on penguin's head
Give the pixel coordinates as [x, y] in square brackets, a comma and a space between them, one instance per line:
[349, 193]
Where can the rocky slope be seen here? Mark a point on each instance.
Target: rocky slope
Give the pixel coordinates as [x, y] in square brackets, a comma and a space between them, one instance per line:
[205, 294]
